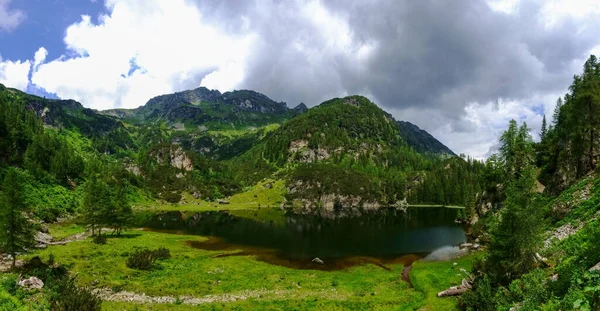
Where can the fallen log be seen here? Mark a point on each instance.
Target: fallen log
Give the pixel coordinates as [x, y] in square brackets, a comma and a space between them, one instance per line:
[453, 291]
[456, 290]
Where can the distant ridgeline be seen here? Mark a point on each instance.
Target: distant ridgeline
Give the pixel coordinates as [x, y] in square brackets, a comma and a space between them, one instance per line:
[343, 153]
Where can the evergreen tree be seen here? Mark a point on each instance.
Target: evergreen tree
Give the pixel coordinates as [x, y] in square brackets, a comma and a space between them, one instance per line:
[544, 130]
[556, 114]
[93, 207]
[517, 238]
[16, 229]
[516, 151]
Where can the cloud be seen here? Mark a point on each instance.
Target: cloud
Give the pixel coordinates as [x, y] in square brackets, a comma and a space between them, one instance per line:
[15, 73]
[39, 57]
[9, 18]
[142, 49]
[459, 69]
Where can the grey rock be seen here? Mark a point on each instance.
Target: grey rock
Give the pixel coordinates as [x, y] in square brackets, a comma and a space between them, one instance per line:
[31, 283]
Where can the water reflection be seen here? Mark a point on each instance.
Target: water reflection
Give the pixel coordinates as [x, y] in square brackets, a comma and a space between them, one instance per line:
[380, 238]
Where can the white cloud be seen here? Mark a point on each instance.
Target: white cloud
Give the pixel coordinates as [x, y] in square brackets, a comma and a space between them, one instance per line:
[9, 18]
[15, 74]
[142, 49]
[39, 57]
[505, 6]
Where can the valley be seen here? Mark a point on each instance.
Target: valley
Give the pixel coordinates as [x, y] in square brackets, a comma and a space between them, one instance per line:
[234, 201]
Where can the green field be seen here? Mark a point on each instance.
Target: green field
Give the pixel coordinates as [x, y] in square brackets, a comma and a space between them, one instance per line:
[243, 282]
[268, 193]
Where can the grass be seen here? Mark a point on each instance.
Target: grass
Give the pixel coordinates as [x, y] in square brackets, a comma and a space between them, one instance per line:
[62, 231]
[254, 198]
[433, 277]
[197, 273]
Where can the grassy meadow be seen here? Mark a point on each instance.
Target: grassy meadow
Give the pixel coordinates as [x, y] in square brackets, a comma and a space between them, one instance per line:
[244, 282]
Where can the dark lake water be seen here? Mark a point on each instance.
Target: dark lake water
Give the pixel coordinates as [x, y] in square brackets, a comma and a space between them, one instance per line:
[294, 240]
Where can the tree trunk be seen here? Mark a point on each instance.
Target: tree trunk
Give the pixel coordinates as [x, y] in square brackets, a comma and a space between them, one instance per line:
[14, 260]
[592, 148]
[453, 291]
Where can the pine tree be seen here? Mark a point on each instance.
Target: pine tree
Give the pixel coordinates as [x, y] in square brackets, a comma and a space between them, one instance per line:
[544, 130]
[16, 229]
[517, 237]
[556, 114]
[508, 148]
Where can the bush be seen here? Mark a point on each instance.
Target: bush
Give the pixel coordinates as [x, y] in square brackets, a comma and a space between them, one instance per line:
[162, 253]
[143, 259]
[67, 296]
[8, 283]
[99, 239]
[9, 303]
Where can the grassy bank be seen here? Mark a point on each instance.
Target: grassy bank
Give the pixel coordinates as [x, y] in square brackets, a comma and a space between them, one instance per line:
[198, 273]
[269, 193]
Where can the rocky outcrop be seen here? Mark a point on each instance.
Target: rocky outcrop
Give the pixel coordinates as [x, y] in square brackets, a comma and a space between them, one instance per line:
[302, 154]
[31, 283]
[180, 160]
[133, 169]
[567, 230]
[176, 157]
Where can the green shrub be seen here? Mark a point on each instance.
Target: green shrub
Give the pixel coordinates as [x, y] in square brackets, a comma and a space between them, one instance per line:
[9, 303]
[99, 239]
[67, 296]
[8, 283]
[141, 260]
[162, 253]
[144, 259]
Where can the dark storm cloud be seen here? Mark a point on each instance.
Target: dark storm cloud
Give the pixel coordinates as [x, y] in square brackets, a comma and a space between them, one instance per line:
[434, 54]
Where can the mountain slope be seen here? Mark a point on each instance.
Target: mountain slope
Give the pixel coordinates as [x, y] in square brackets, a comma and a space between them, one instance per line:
[344, 152]
[212, 145]
[209, 108]
[422, 141]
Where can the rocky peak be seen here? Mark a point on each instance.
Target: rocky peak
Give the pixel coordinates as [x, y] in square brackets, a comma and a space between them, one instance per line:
[301, 108]
[249, 100]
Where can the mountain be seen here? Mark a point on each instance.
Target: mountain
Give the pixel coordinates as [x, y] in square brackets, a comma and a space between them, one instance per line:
[422, 141]
[345, 151]
[211, 109]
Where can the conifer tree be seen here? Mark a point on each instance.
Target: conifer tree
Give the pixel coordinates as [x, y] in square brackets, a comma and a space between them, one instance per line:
[544, 130]
[16, 229]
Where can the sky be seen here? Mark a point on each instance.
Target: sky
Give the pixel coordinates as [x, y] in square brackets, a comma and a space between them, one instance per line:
[458, 69]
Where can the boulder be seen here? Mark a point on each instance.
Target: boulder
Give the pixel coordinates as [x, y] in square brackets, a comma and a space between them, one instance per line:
[31, 283]
[43, 238]
[596, 267]
[318, 260]
[466, 246]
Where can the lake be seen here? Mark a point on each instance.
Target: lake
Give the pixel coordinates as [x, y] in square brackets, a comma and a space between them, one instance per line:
[294, 240]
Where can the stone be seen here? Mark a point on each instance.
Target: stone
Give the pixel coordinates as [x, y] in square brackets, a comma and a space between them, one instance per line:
[318, 260]
[466, 245]
[43, 238]
[596, 267]
[31, 283]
